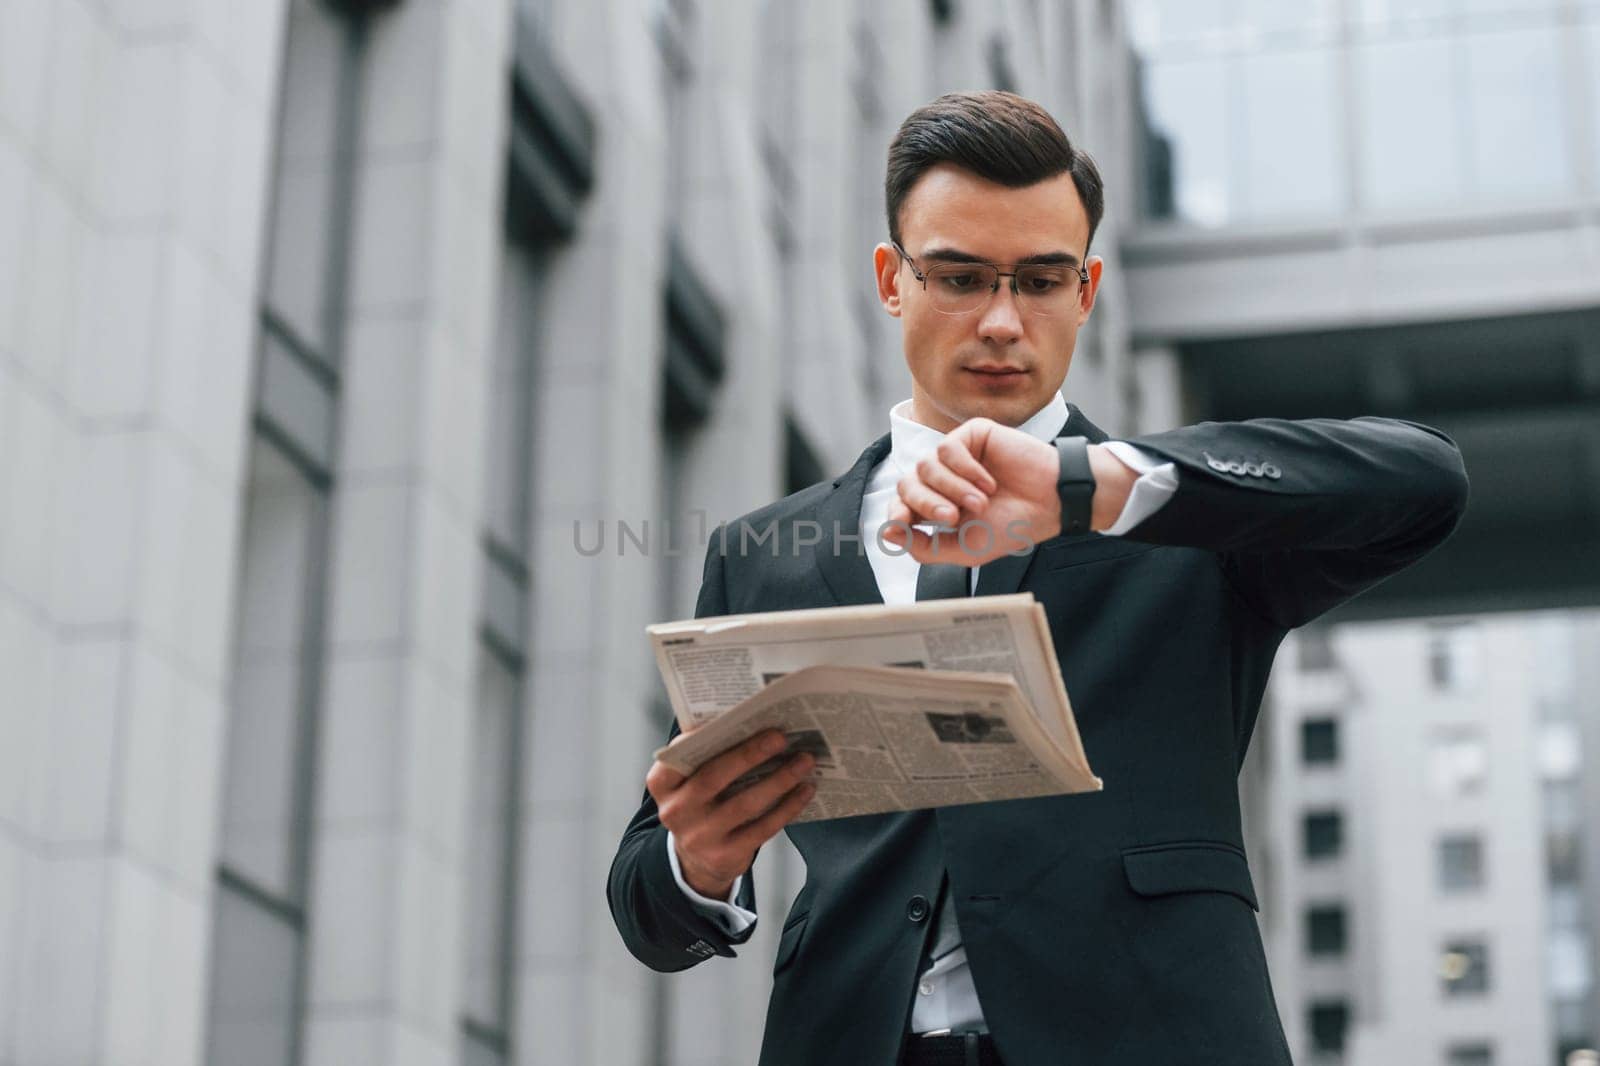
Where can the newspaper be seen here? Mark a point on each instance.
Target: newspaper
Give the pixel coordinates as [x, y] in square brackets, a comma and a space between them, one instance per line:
[924, 705]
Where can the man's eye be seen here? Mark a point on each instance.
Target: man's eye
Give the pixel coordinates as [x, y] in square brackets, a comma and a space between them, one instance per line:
[1040, 284]
[959, 282]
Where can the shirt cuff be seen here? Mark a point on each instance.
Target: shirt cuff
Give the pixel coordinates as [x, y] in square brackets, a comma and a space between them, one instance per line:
[1157, 482]
[733, 918]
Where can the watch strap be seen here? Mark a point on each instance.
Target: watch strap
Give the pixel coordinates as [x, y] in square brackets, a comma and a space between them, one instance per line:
[1075, 484]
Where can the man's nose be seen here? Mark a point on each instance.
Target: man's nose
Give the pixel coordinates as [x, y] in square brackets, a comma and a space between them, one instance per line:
[1001, 319]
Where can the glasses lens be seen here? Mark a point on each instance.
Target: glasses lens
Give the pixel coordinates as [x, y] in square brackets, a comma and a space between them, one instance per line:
[960, 288]
[1047, 290]
[956, 288]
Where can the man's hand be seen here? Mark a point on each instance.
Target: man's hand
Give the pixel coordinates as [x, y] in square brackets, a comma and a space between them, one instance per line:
[995, 488]
[717, 836]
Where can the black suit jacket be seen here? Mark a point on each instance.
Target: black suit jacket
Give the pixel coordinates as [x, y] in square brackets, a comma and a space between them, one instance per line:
[1107, 928]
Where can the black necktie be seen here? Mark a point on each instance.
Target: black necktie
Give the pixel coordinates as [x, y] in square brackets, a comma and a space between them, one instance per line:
[942, 581]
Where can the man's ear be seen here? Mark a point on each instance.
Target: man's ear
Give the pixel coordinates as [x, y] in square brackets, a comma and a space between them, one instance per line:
[886, 264]
[1086, 293]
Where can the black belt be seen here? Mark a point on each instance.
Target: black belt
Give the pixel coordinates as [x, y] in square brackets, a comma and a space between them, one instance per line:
[958, 1049]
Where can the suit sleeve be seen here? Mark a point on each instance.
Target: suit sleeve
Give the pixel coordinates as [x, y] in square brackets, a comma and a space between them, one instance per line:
[1304, 515]
[659, 924]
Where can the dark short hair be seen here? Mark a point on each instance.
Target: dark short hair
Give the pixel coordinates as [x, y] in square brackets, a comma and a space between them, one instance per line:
[997, 135]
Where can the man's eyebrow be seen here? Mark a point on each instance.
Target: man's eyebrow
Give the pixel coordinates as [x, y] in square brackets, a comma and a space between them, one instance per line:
[956, 255]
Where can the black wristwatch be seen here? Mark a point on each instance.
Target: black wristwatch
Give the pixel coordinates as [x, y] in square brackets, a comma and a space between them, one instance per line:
[1075, 484]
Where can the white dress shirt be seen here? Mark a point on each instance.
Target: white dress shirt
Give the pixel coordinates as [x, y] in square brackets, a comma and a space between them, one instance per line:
[946, 998]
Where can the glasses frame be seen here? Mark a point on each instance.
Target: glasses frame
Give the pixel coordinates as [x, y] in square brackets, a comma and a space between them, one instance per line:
[921, 276]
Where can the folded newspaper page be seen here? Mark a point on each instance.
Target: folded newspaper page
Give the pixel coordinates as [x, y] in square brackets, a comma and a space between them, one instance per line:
[922, 705]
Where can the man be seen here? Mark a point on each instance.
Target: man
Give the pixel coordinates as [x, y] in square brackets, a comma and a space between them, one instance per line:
[1111, 927]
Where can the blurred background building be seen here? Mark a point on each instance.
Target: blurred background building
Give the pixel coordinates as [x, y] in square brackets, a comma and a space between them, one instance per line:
[370, 371]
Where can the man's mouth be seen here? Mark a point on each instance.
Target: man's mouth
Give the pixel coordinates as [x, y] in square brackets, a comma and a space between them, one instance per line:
[996, 370]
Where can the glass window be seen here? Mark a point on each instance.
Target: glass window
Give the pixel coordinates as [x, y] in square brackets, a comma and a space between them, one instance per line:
[1279, 19]
[1517, 125]
[1523, 8]
[297, 399]
[1410, 124]
[509, 459]
[490, 854]
[478, 1049]
[1464, 968]
[1154, 23]
[1563, 805]
[1591, 63]
[505, 596]
[1460, 863]
[1325, 929]
[1562, 854]
[1385, 12]
[281, 523]
[253, 977]
[1328, 1020]
[1565, 903]
[306, 173]
[1288, 159]
[1560, 750]
[1454, 656]
[1315, 646]
[1572, 1027]
[1323, 834]
[1458, 762]
[1570, 975]
[1187, 103]
[1474, 1054]
[1319, 741]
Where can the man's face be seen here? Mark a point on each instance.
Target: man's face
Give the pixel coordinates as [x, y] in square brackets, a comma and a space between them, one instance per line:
[951, 212]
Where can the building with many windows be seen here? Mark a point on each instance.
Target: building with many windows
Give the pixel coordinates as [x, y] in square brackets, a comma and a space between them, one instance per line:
[369, 373]
[1426, 795]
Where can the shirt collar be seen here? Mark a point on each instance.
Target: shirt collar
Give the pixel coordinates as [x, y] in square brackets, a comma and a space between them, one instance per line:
[911, 441]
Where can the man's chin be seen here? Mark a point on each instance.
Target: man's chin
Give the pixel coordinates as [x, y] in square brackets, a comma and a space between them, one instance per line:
[1006, 410]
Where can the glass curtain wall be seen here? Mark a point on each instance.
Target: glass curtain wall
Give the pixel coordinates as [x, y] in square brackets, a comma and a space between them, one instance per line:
[1273, 111]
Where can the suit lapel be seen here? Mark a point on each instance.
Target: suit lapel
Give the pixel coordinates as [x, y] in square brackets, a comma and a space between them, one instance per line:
[1003, 576]
[844, 563]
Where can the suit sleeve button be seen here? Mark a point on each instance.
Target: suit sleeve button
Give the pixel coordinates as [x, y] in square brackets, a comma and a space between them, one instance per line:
[1253, 469]
[1236, 467]
[1271, 471]
[917, 908]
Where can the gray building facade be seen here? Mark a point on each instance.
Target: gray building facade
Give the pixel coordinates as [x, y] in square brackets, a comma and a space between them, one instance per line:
[334, 335]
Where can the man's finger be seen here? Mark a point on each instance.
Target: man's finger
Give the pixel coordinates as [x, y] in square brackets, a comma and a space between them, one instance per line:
[944, 548]
[718, 773]
[662, 779]
[944, 480]
[925, 504]
[955, 453]
[752, 802]
[973, 544]
[973, 435]
[753, 834]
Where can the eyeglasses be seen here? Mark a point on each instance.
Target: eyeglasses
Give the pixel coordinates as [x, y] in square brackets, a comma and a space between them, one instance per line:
[962, 288]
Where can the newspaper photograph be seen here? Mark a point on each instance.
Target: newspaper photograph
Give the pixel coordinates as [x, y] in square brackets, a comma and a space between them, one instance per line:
[894, 738]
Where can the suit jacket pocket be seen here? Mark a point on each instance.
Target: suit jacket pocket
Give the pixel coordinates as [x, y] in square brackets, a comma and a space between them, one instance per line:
[789, 942]
[1189, 866]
